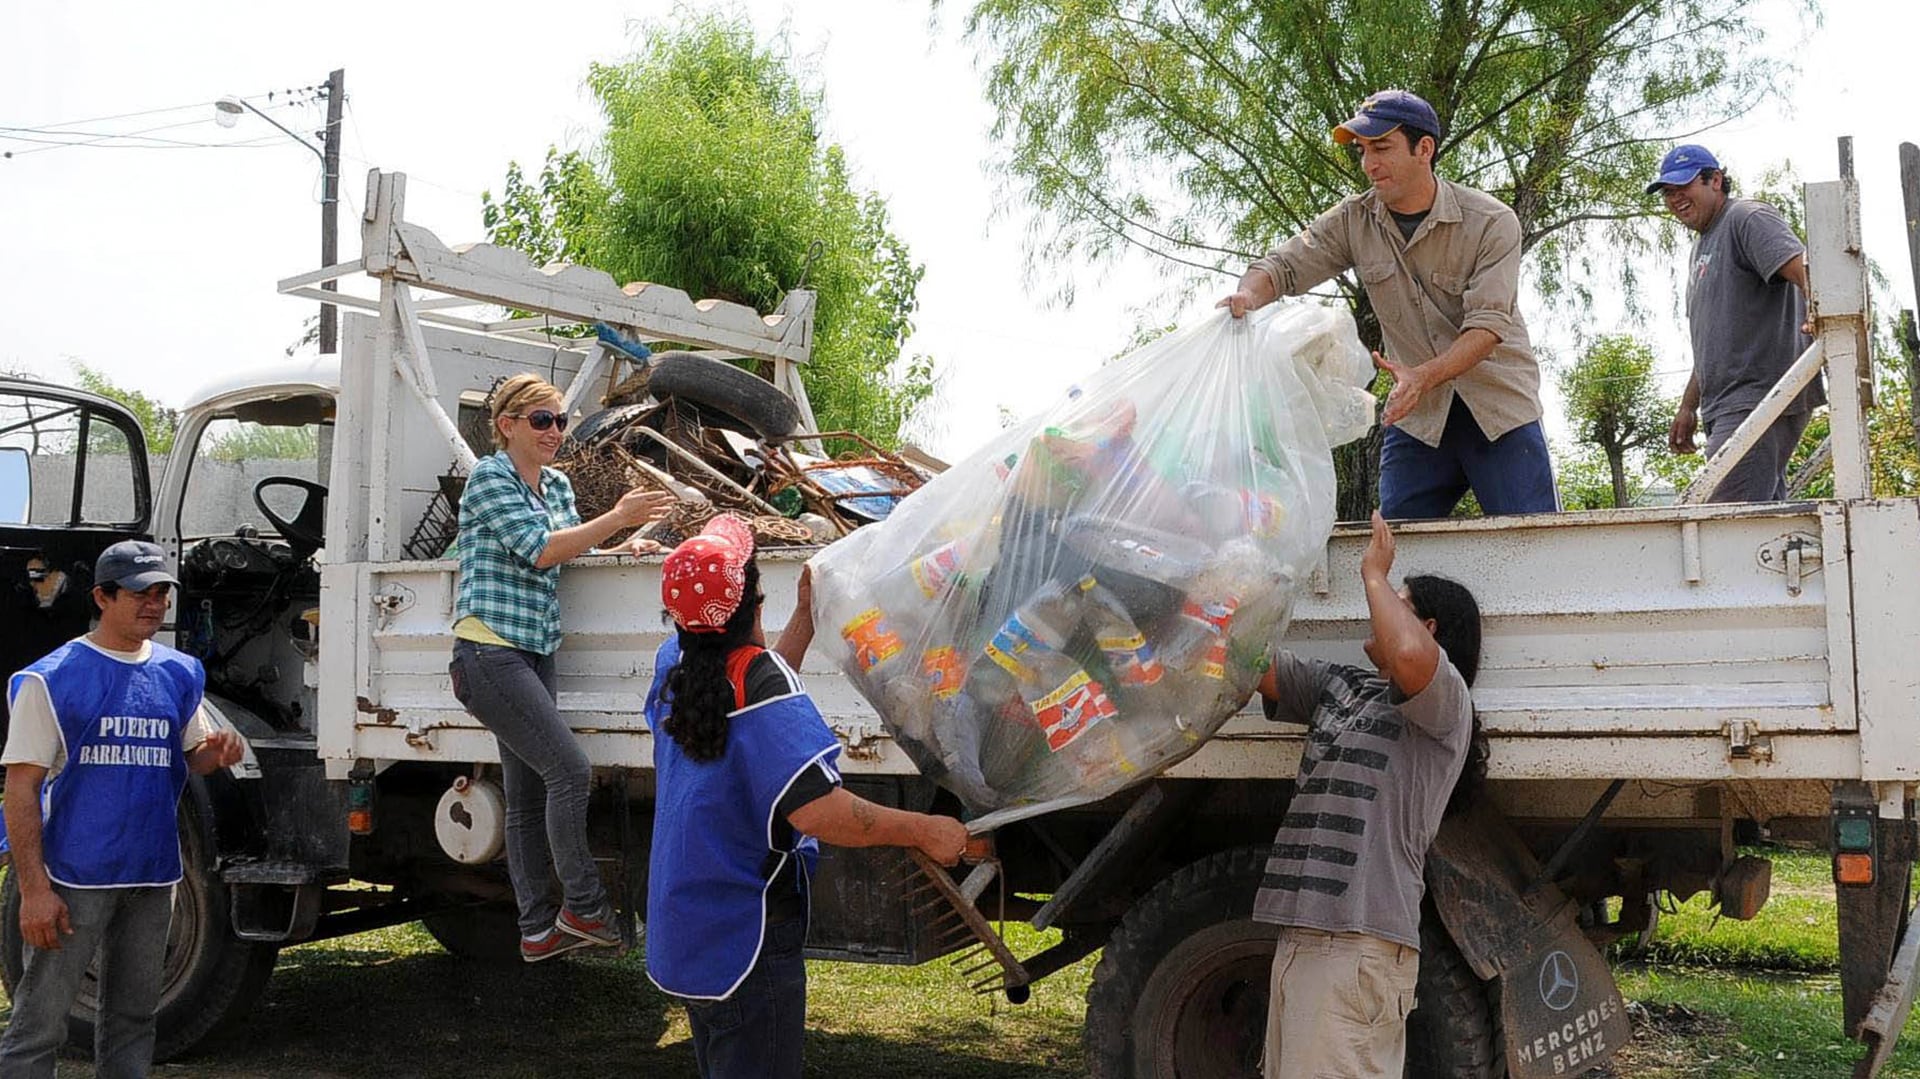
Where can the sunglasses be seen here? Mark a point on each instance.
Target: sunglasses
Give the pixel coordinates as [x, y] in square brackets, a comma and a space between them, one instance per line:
[541, 419]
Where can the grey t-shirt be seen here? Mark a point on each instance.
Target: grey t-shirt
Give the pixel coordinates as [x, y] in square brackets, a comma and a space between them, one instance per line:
[1745, 318]
[1374, 782]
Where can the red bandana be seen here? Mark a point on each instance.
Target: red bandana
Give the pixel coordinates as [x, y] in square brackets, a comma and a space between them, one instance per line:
[705, 578]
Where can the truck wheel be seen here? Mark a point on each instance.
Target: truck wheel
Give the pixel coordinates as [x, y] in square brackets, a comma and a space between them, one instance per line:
[1454, 1030]
[482, 932]
[211, 977]
[718, 386]
[1181, 989]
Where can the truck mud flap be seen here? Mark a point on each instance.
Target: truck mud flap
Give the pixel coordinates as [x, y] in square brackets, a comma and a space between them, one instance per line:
[1561, 1010]
[1880, 1030]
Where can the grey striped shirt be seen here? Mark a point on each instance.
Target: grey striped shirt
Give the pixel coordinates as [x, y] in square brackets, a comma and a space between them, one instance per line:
[1374, 781]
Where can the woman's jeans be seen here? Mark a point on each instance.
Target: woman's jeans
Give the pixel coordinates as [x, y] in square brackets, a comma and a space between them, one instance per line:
[757, 1032]
[546, 776]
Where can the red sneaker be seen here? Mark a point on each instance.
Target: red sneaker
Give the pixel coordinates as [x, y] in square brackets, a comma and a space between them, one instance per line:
[549, 944]
[601, 929]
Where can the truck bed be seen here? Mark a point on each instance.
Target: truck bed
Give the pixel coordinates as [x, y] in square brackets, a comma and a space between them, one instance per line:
[1679, 643]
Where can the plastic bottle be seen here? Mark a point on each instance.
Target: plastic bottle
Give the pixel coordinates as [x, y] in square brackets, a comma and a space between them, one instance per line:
[1139, 678]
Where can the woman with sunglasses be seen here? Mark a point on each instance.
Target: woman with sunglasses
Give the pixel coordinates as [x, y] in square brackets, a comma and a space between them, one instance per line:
[518, 524]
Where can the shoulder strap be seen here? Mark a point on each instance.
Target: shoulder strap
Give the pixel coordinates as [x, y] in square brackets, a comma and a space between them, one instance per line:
[737, 663]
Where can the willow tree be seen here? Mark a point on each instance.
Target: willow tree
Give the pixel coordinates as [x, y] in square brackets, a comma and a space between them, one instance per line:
[1197, 130]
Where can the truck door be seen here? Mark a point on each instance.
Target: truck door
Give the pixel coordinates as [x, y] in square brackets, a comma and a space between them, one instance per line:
[73, 480]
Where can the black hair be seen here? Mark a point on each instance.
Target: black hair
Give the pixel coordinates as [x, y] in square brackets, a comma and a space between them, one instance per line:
[1726, 182]
[1414, 135]
[1456, 627]
[111, 588]
[699, 694]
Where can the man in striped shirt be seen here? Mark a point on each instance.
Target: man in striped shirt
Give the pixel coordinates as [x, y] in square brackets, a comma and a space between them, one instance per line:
[1385, 753]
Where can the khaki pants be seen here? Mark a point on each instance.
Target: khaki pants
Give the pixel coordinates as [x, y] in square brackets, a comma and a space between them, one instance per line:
[1339, 1006]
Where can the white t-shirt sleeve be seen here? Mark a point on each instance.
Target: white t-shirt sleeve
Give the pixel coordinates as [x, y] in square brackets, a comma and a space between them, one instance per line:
[196, 729]
[33, 734]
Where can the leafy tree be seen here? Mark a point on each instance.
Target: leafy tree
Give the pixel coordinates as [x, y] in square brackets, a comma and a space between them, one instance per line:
[156, 420]
[1615, 405]
[713, 176]
[1197, 130]
[253, 442]
[1894, 466]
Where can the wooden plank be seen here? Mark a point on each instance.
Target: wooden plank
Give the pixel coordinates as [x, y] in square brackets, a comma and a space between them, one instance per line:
[1755, 426]
[1837, 287]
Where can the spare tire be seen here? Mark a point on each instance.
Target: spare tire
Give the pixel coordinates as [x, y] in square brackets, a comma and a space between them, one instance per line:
[712, 386]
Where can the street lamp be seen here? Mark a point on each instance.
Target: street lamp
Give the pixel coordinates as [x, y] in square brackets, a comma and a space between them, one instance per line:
[227, 112]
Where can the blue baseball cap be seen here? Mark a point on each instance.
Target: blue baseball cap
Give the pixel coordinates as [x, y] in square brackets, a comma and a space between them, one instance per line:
[1386, 110]
[1681, 165]
[135, 565]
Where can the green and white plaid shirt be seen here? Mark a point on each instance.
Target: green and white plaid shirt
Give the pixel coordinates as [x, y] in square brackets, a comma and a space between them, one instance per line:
[503, 529]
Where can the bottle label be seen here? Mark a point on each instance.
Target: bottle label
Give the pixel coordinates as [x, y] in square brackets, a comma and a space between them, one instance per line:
[1264, 514]
[944, 672]
[1214, 616]
[1132, 659]
[1071, 708]
[936, 569]
[873, 641]
[1010, 646]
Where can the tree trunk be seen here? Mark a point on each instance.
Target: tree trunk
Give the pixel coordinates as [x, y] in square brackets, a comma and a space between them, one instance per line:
[1356, 465]
[1356, 472]
[1617, 464]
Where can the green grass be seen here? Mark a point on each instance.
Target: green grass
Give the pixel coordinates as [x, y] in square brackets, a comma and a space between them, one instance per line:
[392, 1003]
[1725, 1000]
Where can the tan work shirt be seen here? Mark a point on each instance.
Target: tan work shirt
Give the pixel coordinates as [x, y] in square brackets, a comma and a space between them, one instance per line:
[1460, 271]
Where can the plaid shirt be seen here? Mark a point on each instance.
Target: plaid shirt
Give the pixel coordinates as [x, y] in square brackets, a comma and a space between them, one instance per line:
[503, 529]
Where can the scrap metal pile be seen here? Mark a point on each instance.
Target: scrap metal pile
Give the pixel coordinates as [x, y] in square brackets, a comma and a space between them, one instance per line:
[723, 440]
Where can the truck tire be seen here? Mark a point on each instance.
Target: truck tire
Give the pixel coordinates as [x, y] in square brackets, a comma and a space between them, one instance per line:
[211, 977]
[481, 932]
[1454, 1031]
[716, 386]
[1182, 988]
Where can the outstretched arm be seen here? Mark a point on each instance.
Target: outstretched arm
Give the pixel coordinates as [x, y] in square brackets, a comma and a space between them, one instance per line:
[845, 819]
[1406, 651]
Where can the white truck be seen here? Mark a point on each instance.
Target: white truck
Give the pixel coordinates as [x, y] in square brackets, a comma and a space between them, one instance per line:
[1655, 683]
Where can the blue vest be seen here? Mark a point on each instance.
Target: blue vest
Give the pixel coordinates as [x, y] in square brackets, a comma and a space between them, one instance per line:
[713, 838]
[109, 816]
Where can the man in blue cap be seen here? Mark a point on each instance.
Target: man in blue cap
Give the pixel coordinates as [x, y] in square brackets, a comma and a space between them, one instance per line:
[110, 723]
[1746, 307]
[1441, 266]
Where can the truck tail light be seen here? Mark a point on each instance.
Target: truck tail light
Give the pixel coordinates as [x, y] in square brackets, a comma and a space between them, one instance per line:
[360, 807]
[1853, 868]
[1854, 843]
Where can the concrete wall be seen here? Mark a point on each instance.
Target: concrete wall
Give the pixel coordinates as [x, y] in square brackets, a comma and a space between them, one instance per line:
[219, 499]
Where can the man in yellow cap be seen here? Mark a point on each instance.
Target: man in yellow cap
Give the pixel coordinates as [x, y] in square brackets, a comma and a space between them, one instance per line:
[1441, 266]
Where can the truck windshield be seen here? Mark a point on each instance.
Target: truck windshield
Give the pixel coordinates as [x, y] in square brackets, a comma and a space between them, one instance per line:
[230, 459]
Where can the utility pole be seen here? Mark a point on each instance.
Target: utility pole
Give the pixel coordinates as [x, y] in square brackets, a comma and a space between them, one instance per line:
[330, 204]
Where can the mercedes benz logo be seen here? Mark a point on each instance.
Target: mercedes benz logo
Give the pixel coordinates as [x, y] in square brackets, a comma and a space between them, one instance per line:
[1559, 981]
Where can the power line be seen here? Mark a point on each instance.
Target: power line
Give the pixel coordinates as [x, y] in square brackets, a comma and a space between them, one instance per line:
[117, 140]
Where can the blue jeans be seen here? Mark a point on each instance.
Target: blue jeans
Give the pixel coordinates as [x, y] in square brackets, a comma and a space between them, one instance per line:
[1509, 474]
[757, 1033]
[546, 777]
[127, 927]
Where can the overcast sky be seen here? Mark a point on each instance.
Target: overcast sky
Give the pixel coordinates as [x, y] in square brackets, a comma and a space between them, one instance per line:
[157, 265]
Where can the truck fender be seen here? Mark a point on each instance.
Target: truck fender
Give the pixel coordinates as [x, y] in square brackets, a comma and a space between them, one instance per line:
[1560, 1009]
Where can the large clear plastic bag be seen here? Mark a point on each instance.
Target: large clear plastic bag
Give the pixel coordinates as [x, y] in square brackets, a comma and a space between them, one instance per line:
[1083, 602]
